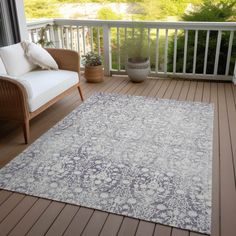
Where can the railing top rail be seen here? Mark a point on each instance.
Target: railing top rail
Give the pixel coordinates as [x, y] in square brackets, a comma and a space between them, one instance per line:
[39, 23]
[151, 24]
[137, 24]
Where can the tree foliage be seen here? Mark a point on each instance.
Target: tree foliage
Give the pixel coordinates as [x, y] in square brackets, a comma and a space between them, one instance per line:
[41, 9]
[106, 13]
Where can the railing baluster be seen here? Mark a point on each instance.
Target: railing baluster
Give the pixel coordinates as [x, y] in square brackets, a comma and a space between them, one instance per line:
[125, 35]
[185, 50]
[126, 55]
[229, 52]
[234, 74]
[91, 38]
[195, 51]
[67, 38]
[32, 35]
[206, 52]
[37, 35]
[166, 52]
[175, 51]
[64, 36]
[56, 36]
[118, 46]
[217, 52]
[157, 50]
[98, 41]
[78, 40]
[84, 40]
[149, 44]
[46, 36]
[107, 50]
[71, 37]
[51, 33]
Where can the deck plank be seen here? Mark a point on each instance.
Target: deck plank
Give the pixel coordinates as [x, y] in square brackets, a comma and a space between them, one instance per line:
[162, 230]
[79, 222]
[170, 89]
[223, 95]
[149, 84]
[206, 92]
[10, 204]
[215, 165]
[95, 223]
[184, 91]
[4, 195]
[26, 223]
[63, 220]
[128, 227]
[112, 225]
[228, 193]
[231, 119]
[164, 87]
[155, 89]
[178, 89]
[191, 91]
[199, 92]
[47, 218]
[145, 228]
[179, 232]
[15, 216]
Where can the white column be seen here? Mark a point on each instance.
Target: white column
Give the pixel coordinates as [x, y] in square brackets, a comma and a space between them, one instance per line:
[21, 19]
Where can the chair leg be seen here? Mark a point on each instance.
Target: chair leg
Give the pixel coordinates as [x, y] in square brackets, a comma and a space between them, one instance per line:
[80, 92]
[26, 131]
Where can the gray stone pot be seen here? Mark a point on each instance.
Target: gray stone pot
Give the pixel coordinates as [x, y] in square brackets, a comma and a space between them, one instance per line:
[138, 70]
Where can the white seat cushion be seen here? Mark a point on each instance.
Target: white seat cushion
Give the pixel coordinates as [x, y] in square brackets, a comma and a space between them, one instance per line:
[2, 68]
[44, 85]
[15, 60]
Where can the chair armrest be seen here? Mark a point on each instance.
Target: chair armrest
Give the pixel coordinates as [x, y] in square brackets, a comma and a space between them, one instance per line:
[66, 59]
[13, 100]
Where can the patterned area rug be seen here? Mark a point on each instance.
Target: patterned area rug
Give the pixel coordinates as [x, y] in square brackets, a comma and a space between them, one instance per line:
[146, 158]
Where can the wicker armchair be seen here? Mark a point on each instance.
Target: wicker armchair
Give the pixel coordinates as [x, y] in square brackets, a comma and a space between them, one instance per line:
[14, 98]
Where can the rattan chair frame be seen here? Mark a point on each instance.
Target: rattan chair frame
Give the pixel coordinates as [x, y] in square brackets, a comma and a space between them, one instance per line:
[14, 98]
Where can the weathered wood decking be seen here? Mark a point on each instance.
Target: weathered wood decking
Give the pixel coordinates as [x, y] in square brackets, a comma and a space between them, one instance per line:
[25, 215]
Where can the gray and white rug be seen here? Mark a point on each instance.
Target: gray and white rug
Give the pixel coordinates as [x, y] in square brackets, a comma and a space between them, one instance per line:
[146, 158]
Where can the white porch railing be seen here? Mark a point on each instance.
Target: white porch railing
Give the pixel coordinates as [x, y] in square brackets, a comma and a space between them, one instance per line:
[173, 46]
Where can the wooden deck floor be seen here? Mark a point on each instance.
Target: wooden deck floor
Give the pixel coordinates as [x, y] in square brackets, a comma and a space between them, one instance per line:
[25, 215]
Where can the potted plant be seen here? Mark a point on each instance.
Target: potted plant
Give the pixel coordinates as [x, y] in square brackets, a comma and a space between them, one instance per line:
[137, 63]
[42, 35]
[93, 67]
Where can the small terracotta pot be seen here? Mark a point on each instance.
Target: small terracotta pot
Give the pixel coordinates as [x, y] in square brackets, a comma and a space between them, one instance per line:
[94, 74]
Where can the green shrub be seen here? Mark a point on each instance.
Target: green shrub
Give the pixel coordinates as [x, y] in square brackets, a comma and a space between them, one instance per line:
[222, 11]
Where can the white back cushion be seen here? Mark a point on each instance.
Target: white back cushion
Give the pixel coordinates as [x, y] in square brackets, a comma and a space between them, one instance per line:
[39, 56]
[15, 60]
[2, 68]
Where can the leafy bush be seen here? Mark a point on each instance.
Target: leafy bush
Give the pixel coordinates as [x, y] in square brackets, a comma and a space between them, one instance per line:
[209, 11]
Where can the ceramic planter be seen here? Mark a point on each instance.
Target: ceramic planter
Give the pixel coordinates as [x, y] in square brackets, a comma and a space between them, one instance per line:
[138, 70]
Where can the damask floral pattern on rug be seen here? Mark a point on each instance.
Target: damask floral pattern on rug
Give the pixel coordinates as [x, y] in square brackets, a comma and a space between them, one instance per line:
[141, 157]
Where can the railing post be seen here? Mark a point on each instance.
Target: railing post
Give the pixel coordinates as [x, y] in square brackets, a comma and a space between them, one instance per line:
[234, 74]
[107, 50]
